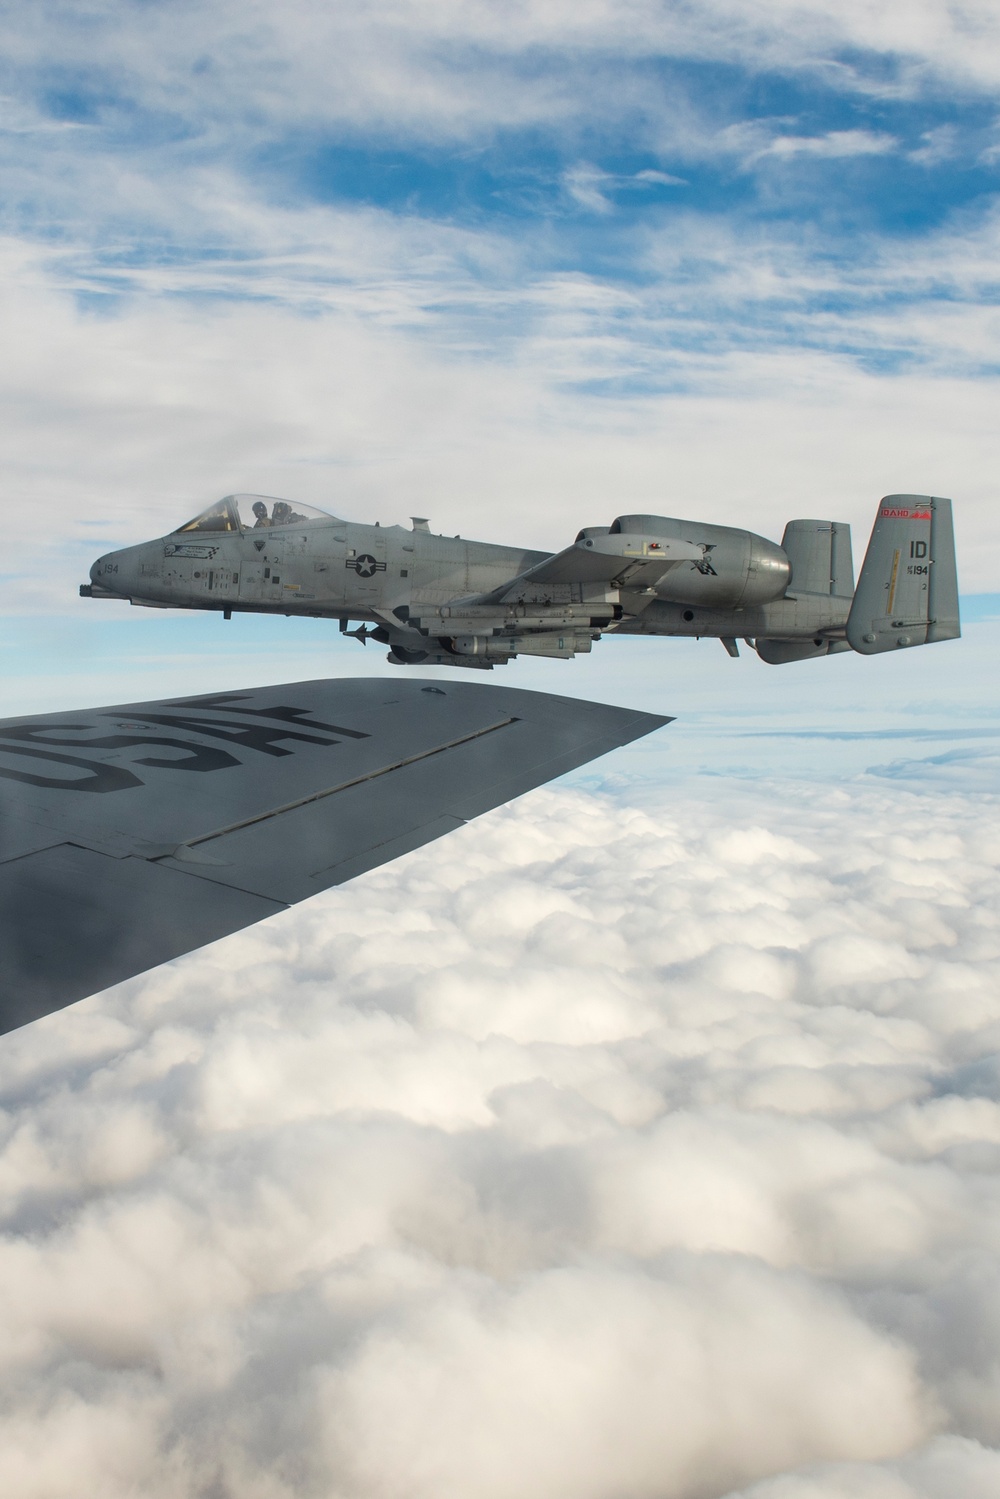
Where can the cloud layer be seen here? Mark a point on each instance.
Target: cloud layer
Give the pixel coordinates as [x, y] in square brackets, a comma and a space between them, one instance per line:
[469, 67]
[634, 1142]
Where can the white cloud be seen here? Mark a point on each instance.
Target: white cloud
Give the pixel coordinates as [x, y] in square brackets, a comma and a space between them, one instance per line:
[834, 144]
[590, 1381]
[587, 187]
[946, 1467]
[660, 179]
[760, 140]
[939, 144]
[592, 188]
[462, 70]
[645, 1142]
[18, 117]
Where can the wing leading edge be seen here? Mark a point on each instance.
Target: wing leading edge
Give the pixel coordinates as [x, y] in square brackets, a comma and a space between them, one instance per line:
[600, 559]
[130, 835]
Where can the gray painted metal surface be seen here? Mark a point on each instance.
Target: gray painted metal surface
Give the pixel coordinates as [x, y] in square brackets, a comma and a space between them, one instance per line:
[446, 601]
[132, 834]
[820, 554]
[907, 593]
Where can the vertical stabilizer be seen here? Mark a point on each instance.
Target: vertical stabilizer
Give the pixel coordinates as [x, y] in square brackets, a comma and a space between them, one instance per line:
[907, 593]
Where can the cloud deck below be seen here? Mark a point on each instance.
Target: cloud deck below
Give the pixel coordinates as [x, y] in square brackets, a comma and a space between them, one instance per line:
[637, 1143]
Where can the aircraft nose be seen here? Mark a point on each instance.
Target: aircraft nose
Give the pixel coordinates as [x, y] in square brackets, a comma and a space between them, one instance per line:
[116, 572]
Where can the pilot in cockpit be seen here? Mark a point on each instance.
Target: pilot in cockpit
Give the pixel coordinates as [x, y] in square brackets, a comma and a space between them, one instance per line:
[260, 511]
[283, 514]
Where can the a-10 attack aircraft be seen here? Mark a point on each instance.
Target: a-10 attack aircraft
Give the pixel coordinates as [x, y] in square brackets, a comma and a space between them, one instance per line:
[444, 601]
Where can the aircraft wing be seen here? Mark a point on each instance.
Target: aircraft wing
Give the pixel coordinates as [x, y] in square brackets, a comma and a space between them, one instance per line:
[130, 835]
[636, 560]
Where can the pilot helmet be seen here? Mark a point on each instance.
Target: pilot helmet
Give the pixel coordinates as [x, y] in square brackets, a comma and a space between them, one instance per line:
[260, 509]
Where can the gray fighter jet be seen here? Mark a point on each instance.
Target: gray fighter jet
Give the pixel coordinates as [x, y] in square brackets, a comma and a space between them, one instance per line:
[130, 835]
[443, 601]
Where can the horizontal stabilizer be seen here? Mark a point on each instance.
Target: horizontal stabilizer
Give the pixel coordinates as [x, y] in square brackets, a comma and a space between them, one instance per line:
[907, 593]
[820, 554]
[781, 652]
[131, 835]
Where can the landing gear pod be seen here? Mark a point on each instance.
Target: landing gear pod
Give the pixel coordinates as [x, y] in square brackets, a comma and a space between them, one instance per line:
[907, 593]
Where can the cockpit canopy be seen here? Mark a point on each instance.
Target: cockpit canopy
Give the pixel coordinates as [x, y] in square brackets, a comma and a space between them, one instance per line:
[255, 512]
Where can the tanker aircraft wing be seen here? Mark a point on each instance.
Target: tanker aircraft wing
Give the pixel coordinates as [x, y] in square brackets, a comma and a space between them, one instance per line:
[130, 835]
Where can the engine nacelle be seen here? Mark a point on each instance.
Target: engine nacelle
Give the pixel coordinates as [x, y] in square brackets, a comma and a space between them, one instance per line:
[738, 569]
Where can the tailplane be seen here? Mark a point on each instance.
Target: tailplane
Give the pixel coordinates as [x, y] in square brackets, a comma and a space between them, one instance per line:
[907, 593]
[820, 554]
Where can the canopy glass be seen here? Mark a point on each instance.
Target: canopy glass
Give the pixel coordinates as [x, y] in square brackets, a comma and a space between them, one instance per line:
[255, 512]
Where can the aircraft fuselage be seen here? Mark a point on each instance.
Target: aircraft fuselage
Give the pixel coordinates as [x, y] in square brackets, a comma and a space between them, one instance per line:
[450, 601]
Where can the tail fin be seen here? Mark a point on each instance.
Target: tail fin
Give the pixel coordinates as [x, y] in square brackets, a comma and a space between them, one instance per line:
[907, 593]
[820, 554]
